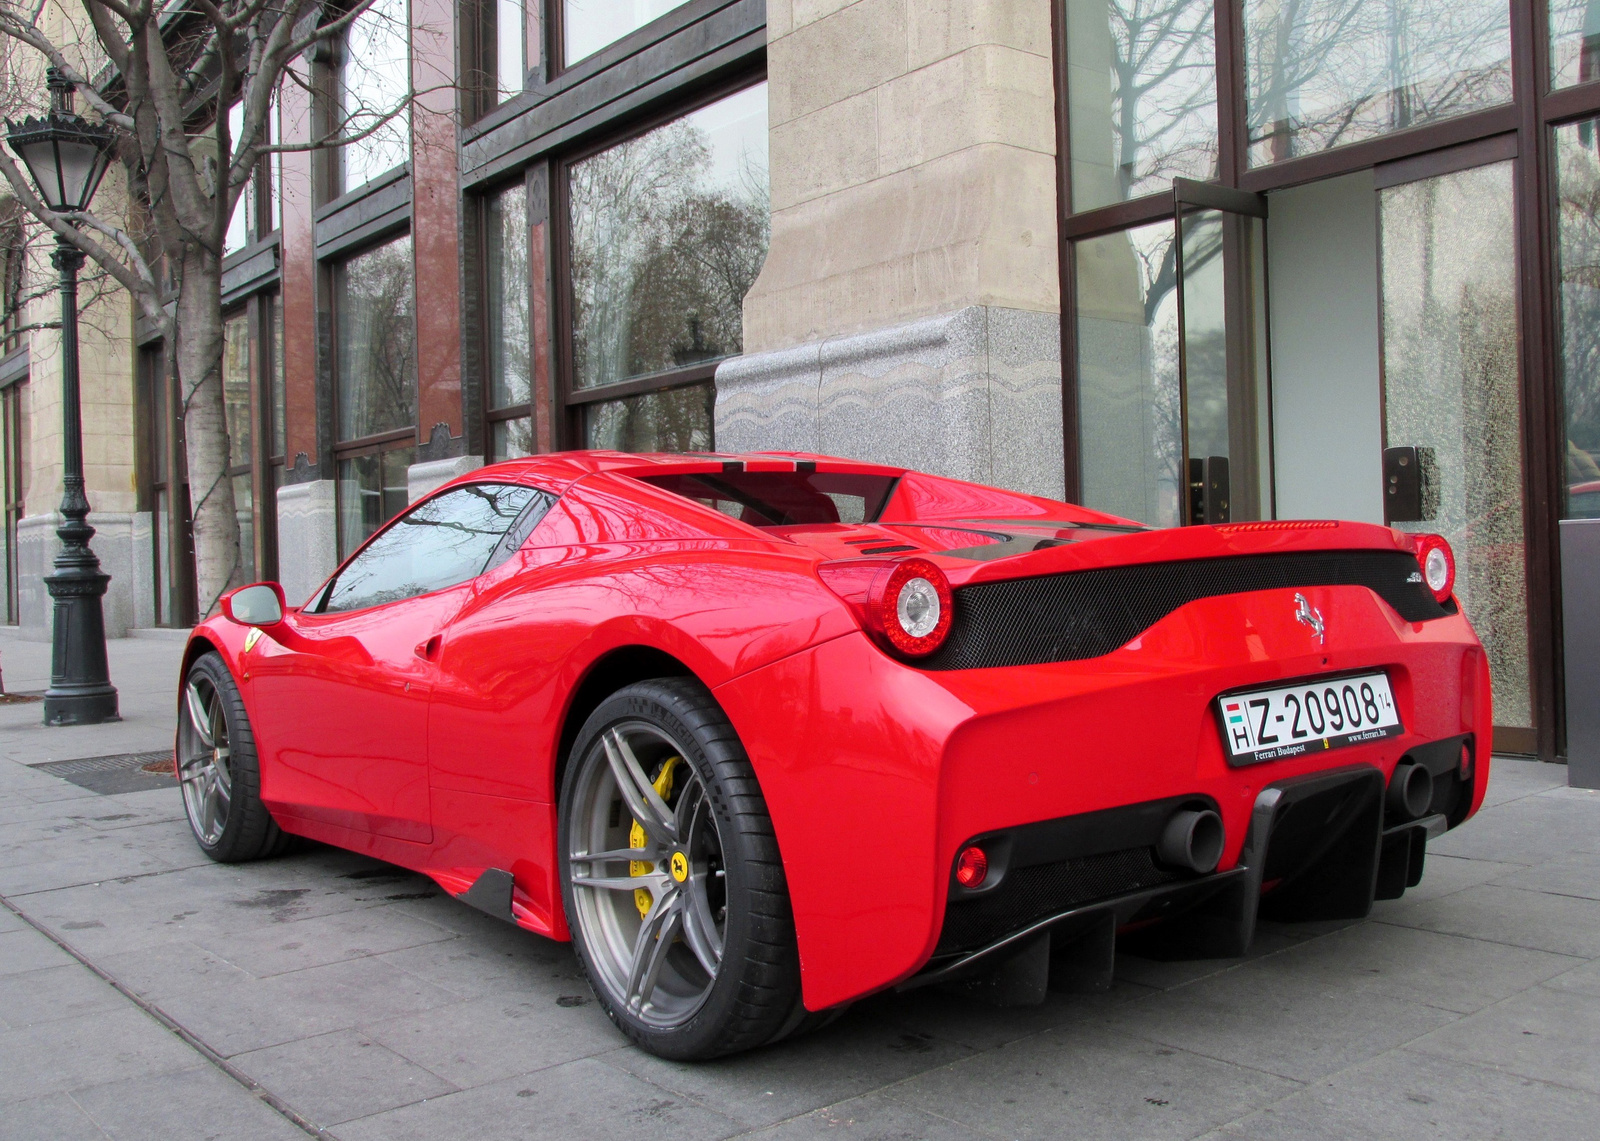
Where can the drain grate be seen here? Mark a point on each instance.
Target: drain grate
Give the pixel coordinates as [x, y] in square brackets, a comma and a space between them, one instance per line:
[125, 772]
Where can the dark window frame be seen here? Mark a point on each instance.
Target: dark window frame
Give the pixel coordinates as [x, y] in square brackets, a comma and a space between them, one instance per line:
[571, 402]
[1534, 110]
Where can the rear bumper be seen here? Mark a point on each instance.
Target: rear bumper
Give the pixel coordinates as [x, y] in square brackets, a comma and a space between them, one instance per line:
[876, 773]
[1319, 846]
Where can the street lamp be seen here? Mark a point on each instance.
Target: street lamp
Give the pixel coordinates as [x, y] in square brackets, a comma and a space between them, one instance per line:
[67, 156]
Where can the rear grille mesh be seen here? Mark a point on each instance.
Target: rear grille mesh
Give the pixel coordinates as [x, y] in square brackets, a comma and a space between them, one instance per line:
[1084, 614]
[1029, 894]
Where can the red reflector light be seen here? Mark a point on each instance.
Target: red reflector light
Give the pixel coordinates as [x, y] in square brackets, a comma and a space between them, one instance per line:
[1466, 761]
[972, 867]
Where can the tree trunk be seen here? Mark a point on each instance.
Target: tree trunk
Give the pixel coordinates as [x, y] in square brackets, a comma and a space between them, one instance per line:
[218, 568]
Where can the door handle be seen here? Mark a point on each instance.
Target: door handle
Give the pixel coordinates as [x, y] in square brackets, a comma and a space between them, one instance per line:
[427, 650]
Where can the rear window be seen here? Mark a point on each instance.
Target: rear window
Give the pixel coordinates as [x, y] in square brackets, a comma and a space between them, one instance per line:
[784, 498]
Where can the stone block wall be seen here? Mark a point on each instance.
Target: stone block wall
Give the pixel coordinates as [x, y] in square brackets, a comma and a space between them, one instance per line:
[974, 394]
[913, 165]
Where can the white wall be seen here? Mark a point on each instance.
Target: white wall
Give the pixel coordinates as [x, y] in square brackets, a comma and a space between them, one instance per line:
[1327, 411]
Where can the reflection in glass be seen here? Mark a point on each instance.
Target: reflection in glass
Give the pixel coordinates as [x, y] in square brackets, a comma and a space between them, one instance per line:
[1205, 336]
[1141, 93]
[1128, 396]
[589, 25]
[236, 386]
[513, 438]
[1321, 73]
[1451, 384]
[668, 233]
[376, 341]
[675, 421]
[510, 42]
[163, 562]
[279, 394]
[374, 86]
[1578, 189]
[372, 490]
[510, 379]
[237, 236]
[1574, 42]
[440, 542]
[243, 501]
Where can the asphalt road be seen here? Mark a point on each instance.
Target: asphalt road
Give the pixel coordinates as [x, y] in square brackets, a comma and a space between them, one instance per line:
[325, 991]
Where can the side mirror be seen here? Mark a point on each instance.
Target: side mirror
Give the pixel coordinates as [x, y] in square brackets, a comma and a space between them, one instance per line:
[258, 605]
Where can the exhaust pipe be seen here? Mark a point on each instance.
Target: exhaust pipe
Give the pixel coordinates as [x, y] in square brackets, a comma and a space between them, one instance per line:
[1410, 791]
[1192, 841]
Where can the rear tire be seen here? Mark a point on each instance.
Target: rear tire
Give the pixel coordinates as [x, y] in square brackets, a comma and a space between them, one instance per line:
[219, 774]
[700, 869]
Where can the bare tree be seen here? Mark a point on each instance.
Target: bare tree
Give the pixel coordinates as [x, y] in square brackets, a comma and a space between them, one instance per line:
[162, 77]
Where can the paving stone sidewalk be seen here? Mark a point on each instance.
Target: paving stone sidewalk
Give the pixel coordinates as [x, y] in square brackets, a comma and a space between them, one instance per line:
[356, 999]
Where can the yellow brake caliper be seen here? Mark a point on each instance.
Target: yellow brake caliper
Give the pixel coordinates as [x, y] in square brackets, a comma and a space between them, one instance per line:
[642, 899]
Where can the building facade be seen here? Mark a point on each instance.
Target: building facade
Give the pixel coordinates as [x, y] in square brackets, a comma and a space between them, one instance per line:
[1182, 260]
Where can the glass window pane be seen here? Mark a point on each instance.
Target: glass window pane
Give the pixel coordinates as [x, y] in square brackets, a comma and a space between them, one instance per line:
[275, 180]
[375, 80]
[589, 25]
[442, 541]
[510, 40]
[279, 401]
[669, 231]
[236, 386]
[1574, 42]
[1321, 73]
[510, 379]
[237, 236]
[1578, 164]
[1131, 424]
[1451, 385]
[1141, 96]
[372, 490]
[674, 421]
[1205, 335]
[163, 563]
[376, 335]
[513, 438]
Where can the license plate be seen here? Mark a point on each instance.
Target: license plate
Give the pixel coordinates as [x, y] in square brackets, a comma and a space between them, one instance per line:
[1307, 717]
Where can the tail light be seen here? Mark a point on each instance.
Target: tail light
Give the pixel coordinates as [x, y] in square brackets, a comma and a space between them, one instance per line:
[906, 604]
[1438, 564]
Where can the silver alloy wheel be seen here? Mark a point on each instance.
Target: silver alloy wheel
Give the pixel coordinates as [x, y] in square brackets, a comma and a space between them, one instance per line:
[204, 760]
[660, 966]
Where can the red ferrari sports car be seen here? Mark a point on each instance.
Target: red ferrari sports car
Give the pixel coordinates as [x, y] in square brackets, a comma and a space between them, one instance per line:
[761, 734]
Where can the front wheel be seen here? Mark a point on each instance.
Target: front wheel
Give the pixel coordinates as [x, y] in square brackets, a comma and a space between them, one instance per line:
[218, 769]
[672, 882]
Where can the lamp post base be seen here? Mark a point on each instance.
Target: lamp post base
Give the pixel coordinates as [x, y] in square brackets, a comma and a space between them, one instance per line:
[80, 690]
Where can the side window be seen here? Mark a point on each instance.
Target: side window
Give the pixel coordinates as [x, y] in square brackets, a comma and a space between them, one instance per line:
[440, 542]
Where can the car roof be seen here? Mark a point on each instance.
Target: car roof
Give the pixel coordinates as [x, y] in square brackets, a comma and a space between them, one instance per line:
[556, 470]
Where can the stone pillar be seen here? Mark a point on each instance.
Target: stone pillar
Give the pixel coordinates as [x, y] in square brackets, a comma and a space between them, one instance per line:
[912, 274]
[308, 537]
